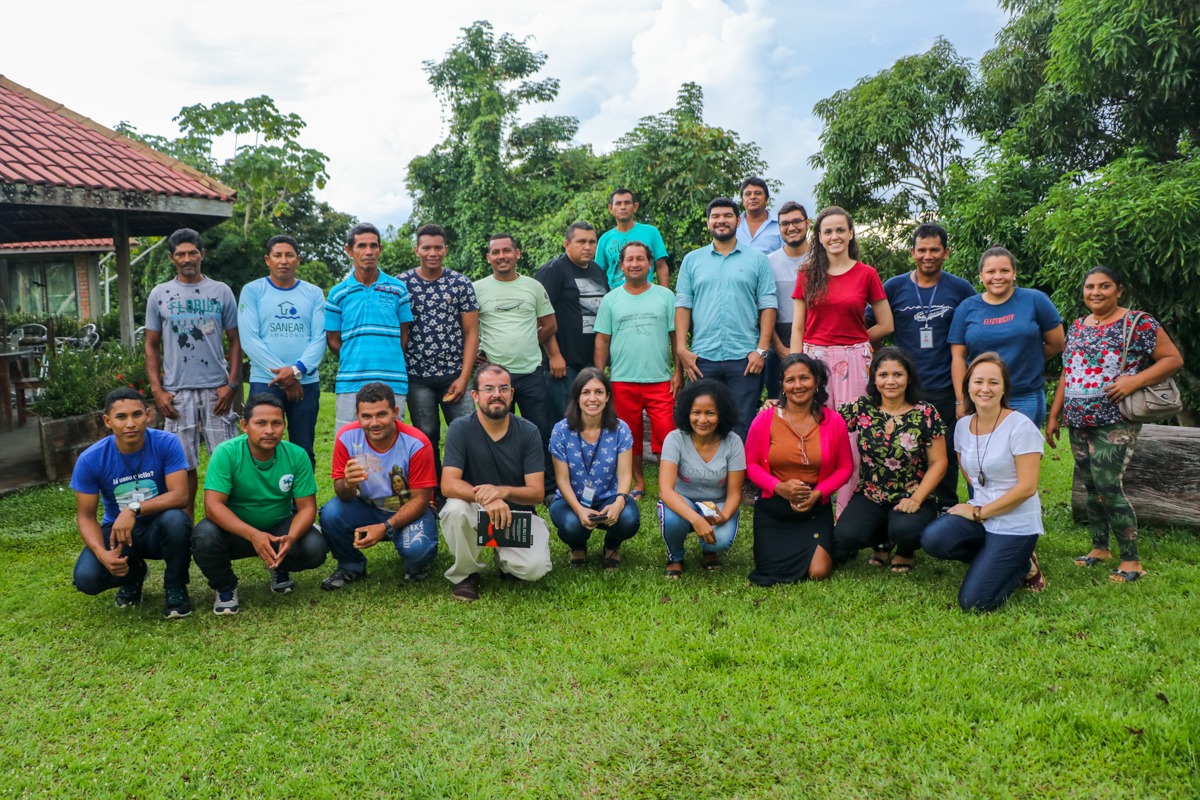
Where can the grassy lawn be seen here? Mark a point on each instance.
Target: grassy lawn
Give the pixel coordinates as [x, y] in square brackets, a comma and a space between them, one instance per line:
[870, 685]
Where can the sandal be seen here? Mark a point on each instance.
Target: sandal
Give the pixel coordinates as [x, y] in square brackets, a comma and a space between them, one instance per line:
[673, 574]
[1087, 561]
[902, 568]
[637, 494]
[1035, 581]
[578, 562]
[612, 562]
[879, 558]
[1125, 575]
[710, 561]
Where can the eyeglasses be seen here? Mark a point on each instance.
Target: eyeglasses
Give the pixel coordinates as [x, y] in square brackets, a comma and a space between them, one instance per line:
[485, 390]
[792, 223]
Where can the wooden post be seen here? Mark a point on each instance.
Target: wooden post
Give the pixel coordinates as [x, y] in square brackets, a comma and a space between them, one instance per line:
[1162, 480]
[124, 276]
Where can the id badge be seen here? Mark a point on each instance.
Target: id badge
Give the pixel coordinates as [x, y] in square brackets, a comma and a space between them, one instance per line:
[926, 338]
[589, 494]
[137, 497]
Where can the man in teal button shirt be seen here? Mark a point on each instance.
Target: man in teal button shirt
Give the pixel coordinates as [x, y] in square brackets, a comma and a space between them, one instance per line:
[726, 295]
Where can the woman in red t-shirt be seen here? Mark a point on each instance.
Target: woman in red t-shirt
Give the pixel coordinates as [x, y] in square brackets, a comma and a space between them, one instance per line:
[831, 296]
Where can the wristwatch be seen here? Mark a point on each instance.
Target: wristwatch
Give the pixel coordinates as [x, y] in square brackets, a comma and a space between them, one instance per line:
[135, 507]
[761, 353]
[296, 371]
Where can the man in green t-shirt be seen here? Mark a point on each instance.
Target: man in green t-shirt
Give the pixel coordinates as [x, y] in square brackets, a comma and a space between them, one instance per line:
[252, 485]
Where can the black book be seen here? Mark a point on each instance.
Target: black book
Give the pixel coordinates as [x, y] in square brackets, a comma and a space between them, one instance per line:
[518, 534]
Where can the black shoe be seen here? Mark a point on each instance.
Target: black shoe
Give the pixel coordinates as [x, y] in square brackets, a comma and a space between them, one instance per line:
[178, 604]
[340, 578]
[467, 590]
[281, 581]
[130, 594]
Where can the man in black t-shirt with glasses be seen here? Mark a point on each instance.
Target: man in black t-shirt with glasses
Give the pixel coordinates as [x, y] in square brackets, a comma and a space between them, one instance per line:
[492, 462]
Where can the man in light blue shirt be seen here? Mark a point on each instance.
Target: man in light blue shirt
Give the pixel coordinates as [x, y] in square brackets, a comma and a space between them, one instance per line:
[726, 294]
[366, 323]
[757, 226]
[282, 320]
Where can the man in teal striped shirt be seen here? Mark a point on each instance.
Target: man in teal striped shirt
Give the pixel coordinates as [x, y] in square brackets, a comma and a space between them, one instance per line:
[366, 323]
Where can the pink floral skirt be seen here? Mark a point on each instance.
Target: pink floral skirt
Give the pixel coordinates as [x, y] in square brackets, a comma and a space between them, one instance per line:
[848, 366]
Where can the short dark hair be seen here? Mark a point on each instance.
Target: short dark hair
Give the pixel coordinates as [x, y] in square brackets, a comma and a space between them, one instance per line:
[578, 226]
[928, 230]
[431, 230]
[122, 393]
[282, 239]
[756, 181]
[643, 245]
[260, 399]
[1107, 272]
[486, 369]
[622, 190]
[497, 236]
[986, 358]
[574, 415]
[183, 236]
[912, 389]
[374, 392]
[727, 418]
[359, 229]
[998, 252]
[720, 202]
[789, 207]
[820, 374]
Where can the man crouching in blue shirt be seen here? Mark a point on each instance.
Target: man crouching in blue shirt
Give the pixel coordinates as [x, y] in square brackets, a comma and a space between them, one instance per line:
[142, 475]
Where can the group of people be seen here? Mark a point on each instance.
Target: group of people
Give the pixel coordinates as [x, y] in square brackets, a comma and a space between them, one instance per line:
[859, 445]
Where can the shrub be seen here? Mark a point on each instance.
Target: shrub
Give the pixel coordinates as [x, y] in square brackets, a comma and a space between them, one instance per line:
[77, 383]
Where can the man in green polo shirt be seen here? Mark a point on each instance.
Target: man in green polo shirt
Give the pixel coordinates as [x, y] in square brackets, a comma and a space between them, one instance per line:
[252, 485]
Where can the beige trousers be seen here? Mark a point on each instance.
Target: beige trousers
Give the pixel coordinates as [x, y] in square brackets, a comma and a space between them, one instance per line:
[458, 520]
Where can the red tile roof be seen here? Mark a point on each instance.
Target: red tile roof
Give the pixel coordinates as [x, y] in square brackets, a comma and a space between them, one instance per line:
[44, 143]
[79, 244]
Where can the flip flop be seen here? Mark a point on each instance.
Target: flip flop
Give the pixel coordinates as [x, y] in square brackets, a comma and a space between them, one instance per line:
[637, 494]
[1125, 575]
[1087, 561]
[879, 558]
[902, 569]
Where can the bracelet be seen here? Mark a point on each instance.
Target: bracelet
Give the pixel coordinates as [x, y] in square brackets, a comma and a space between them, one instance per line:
[977, 513]
[958, 402]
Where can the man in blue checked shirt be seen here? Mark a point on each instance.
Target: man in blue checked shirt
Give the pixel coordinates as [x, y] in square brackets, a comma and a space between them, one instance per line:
[366, 323]
[282, 324]
[726, 295]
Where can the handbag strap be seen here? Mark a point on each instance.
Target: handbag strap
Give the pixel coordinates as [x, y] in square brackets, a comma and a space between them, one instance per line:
[1127, 337]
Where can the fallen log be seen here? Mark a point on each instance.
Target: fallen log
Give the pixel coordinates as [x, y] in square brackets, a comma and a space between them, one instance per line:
[1162, 480]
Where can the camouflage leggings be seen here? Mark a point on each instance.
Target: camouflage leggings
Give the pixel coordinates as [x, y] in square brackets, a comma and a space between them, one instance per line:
[1101, 456]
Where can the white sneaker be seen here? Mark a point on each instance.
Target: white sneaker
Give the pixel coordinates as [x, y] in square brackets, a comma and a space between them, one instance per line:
[226, 602]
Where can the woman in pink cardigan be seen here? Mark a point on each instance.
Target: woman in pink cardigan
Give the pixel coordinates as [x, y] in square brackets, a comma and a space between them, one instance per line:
[799, 455]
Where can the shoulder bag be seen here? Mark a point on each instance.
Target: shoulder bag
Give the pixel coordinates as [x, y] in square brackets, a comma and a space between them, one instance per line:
[1150, 403]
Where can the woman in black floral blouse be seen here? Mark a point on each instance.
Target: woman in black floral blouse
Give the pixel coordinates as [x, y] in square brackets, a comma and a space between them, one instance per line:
[902, 446]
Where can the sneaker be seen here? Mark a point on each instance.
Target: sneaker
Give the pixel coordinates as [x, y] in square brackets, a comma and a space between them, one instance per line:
[340, 578]
[467, 590]
[415, 576]
[226, 602]
[178, 604]
[130, 594]
[281, 581]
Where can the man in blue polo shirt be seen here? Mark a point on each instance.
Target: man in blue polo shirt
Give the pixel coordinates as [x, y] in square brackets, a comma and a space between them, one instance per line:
[757, 226]
[726, 295]
[366, 324]
[923, 303]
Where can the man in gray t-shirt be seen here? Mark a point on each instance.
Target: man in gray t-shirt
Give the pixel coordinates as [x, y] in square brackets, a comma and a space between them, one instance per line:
[186, 319]
[786, 263]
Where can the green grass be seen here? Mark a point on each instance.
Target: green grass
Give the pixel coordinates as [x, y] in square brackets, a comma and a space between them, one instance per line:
[870, 685]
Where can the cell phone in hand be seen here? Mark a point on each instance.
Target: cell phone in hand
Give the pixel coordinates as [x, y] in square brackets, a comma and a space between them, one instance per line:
[597, 517]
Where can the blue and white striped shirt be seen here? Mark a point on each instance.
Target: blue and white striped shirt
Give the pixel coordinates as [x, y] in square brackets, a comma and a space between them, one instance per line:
[369, 319]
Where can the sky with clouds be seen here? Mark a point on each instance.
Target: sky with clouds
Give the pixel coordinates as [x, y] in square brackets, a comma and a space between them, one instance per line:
[353, 70]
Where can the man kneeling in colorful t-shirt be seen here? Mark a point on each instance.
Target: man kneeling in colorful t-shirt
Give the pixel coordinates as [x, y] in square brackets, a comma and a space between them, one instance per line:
[383, 477]
[260, 499]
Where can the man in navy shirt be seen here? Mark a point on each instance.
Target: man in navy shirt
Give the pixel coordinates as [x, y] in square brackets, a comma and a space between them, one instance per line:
[141, 474]
[923, 303]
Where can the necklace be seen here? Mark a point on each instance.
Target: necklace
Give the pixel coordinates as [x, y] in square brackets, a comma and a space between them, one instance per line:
[1117, 312]
[803, 445]
[981, 457]
[890, 426]
[262, 466]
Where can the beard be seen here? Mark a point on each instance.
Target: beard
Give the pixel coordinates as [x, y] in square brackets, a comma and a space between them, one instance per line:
[724, 237]
[492, 411]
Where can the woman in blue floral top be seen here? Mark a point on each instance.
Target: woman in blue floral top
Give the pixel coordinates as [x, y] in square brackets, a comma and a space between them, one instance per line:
[1087, 401]
[593, 461]
[902, 447]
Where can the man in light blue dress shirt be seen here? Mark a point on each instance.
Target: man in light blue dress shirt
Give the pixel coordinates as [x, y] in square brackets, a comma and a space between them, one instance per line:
[726, 295]
[757, 226]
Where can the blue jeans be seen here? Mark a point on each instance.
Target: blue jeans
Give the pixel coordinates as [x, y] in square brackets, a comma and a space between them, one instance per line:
[301, 414]
[675, 529]
[424, 402]
[1031, 404]
[771, 376]
[746, 389]
[215, 550]
[572, 532]
[558, 391]
[416, 542]
[166, 537]
[531, 401]
[998, 561]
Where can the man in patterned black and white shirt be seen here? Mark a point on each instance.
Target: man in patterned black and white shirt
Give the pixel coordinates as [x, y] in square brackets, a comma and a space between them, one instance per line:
[443, 339]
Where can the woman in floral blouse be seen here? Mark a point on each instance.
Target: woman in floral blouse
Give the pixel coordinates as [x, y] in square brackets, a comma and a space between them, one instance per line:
[1087, 400]
[902, 448]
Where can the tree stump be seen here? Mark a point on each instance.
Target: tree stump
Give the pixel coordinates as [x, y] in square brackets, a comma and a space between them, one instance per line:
[1162, 481]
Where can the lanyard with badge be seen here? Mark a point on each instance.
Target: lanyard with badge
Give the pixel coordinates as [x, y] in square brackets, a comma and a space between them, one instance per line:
[589, 489]
[927, 312]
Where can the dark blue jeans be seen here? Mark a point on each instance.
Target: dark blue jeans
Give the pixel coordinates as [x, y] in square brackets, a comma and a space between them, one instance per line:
[531, 401]
[771, 376]
[943, 401]
[1031, 404]
[998, 562]
[746, 389]
[572, 532]
[416, 542]
[163, 537]
[215, 550]
[558, 391]
[301, 415]
[424, 404]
